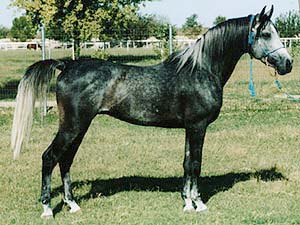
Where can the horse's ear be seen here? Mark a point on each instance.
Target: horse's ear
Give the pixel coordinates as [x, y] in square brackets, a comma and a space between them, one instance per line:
[265, 16]
[262, 13]
[270, 13]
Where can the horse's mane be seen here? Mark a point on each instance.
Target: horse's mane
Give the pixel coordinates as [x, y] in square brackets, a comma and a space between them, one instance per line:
[212, 42]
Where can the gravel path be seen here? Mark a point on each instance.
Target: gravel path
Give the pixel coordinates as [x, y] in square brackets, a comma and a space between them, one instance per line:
[12, 104]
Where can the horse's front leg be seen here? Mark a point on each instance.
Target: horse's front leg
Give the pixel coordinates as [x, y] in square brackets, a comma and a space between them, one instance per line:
[192, 168]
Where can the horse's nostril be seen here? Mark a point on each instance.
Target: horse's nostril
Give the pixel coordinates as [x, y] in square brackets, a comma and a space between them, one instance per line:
[289, 64]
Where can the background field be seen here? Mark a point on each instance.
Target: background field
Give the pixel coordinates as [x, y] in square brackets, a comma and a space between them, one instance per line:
[125, 174]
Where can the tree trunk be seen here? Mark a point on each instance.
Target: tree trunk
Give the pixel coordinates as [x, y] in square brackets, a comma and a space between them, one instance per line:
[76, 37]
[77, 48]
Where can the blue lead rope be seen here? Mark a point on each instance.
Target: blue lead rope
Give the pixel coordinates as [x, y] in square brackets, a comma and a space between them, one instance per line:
[250, 42]
[289, 96]
[251, 82]
[251, 37]
[278, 84]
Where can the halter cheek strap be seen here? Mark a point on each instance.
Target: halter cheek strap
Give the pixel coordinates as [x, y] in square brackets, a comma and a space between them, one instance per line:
[251, 38]
[252, 33]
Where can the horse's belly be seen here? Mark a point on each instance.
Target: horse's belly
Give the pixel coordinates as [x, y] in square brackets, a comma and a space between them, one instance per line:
[149, 118]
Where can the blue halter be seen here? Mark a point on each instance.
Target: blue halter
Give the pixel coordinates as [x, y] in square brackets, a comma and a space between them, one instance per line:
[266, 54]
[251, 37]
[252, 33]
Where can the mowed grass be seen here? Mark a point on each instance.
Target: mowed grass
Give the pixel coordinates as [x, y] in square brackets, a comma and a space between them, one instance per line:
[126, 174]
[13, 63]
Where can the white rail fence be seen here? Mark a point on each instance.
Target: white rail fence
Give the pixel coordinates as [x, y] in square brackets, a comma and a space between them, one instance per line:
[289, 42]
[149, 43]
[9, 90]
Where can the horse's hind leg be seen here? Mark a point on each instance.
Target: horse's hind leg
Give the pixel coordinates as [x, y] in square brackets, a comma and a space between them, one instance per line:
[64, 165]
[62, 150]
[50, 158]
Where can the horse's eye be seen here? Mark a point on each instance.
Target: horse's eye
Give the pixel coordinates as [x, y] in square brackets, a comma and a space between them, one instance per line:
[266, 35]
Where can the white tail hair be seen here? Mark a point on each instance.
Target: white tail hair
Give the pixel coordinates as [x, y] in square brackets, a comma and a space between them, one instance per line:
[23, 116]
[32, 86]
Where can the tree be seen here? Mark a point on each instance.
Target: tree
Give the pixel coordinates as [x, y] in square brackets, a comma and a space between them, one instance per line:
[22, 29]
[192, 27]
[146, 26]
[80, 20]
[288, 24]
[219, 19]
[4, 32]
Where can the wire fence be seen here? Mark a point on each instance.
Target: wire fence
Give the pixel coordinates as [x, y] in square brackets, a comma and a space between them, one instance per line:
[15, 57]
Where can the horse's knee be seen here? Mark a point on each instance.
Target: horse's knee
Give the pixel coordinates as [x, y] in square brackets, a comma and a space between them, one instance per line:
[187, 166]
[191, 166]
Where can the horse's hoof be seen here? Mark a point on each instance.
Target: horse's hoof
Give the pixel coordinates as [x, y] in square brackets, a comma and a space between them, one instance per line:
[47, 216]
[200, 210]
[75, 210]
[201, 207]
[188, 209]
[73, 206]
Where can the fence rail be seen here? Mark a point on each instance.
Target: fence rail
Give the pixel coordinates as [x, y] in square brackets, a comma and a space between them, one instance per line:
[18, 45]
[288, 42]
[148, 43]
[51, 44]
[125, 51]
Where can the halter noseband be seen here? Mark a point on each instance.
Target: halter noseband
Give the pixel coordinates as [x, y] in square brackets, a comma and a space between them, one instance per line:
[252, 37]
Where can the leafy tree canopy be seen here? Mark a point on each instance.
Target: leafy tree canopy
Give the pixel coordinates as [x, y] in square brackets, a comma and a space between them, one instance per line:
[22, 29]
[288, 24]
[80, 20]
[192, 27]
[4, 32]
[219, 19]
[146, 26]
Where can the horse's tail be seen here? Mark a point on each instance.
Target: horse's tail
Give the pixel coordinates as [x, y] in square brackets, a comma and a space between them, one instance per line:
[33, 85]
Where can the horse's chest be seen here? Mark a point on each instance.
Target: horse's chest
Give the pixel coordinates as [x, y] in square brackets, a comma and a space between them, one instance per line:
[203, 102]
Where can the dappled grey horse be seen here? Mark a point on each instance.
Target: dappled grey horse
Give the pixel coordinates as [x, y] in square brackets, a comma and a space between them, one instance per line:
[184, 91]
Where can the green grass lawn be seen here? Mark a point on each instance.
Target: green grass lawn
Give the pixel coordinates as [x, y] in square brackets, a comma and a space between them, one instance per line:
[126, 174]
[13, 63]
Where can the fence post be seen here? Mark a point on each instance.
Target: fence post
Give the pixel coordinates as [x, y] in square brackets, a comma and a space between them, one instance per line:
[170, 40]
[44, 110]
[73, 49]
[43, 42]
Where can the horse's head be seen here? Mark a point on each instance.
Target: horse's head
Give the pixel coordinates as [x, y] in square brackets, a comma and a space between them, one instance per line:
[265, 45]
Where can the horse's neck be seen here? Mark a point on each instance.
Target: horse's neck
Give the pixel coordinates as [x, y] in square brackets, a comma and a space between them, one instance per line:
[233, 41]
[228, 65]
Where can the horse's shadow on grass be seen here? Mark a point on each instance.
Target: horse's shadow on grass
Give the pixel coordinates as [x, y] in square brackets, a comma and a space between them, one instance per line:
[209, 185]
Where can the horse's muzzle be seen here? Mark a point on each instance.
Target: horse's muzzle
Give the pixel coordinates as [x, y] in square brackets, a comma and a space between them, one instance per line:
[289, 65]
[286, 67]
[283, 66]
